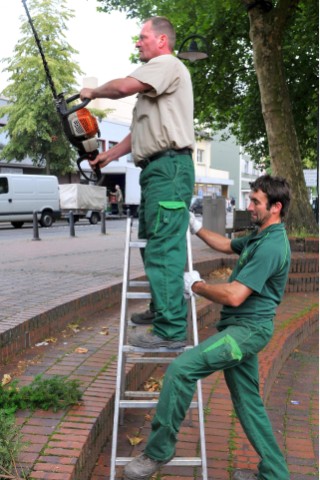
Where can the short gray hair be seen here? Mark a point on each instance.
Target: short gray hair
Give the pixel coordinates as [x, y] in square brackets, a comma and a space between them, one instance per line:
[162, 25]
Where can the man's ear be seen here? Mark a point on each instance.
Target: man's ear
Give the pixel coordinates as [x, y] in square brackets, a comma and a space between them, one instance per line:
[163, 40]
[277, 207]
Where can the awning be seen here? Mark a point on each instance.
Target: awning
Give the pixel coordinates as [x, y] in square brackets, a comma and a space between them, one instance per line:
[214, 181]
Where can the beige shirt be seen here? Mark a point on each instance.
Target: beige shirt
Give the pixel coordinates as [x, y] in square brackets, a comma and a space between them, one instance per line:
[162, 117]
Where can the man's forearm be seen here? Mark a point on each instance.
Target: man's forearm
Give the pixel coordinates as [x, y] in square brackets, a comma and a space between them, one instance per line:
[121, 148]
[115, 89]
[215, 240]
[232, 294]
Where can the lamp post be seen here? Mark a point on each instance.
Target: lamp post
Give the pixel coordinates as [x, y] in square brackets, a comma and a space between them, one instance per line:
[193, 53]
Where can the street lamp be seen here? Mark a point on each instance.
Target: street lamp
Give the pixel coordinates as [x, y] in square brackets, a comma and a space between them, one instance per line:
[193, 53]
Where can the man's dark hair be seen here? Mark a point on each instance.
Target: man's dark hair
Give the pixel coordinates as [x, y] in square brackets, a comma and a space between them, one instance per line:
[277, 189]
[163, 25]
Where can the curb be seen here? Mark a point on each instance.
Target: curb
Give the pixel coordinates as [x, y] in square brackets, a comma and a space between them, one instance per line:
[34, 326]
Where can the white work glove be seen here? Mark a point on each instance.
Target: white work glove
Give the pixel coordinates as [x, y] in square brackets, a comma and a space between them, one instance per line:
[194, 224]
[189, 279]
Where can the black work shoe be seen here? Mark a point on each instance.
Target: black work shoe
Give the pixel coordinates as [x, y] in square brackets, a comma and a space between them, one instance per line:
[149, 340]
[142, 467]
[144, 318]
[244, 474]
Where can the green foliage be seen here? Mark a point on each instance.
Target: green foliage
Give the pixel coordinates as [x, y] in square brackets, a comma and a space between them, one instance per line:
[225, 85]
[45, 393]
[11, 444]
[33, 126]
[100, 114]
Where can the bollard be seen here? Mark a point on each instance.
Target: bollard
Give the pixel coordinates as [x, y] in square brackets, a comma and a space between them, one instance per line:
[103, 222]
[71, 224]
[35, 226]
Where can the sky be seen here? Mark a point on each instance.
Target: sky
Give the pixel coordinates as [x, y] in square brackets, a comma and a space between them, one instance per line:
[104, 41]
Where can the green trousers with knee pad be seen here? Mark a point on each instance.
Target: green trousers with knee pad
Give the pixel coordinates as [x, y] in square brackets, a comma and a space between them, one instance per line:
[234, 350]
[166, 192]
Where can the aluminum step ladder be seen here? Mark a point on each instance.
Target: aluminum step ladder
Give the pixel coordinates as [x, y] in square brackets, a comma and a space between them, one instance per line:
[141, 399]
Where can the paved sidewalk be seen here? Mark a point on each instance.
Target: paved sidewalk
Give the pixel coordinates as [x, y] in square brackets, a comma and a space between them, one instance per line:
[39, 275]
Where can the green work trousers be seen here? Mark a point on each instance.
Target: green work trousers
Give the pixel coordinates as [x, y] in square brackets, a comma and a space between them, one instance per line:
[233, 350]
[166, 191]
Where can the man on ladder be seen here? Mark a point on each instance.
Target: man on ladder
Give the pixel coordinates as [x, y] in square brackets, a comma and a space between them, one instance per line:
[249, 300]
[161, 141]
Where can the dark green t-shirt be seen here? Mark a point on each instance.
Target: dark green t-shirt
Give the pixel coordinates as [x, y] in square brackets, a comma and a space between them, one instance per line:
[263, 266]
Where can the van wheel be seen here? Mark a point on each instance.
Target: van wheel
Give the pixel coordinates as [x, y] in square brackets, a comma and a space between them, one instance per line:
[46, 219]
[17, 224]
[94, 219]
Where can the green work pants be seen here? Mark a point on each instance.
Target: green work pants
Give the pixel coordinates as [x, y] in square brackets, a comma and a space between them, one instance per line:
[166, 191]
[234, 350]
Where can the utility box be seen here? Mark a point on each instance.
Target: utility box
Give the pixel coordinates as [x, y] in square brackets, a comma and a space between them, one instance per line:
[214, 214]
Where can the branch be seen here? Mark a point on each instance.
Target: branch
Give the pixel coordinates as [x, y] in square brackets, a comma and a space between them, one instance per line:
[284, 11]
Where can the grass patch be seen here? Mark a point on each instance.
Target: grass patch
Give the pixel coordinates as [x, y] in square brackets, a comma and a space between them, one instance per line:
[50, 393]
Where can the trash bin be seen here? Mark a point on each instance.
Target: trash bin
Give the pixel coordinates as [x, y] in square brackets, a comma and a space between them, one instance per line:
[214, 214]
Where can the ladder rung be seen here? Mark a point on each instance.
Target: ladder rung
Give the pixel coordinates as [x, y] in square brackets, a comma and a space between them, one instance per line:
[139, 283]
[138, 243]
[150, 359]
[133, 295]
[145, 404]
[136, 394]
[175, 462]
[132, 349]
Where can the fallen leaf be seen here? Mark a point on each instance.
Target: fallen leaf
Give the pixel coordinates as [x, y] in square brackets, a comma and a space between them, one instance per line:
[104, 332]
[81, 350]
[134, 440]
[74, 327]
[51, 340]
[221, 273]
[6, 379]
[153, 384]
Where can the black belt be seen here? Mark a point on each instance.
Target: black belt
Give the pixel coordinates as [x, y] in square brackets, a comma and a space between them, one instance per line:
[165, 153]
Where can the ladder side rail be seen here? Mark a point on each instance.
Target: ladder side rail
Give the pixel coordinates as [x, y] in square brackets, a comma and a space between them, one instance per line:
[120, 368]
[199, 387]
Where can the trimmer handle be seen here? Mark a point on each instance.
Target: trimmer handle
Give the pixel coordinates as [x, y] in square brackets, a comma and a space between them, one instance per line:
[97, 171]
[62, 104]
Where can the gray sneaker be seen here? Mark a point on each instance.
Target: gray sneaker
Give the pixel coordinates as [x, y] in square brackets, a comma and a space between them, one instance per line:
[144, 318]
[142, 467]
[244, 474]
[149, 340]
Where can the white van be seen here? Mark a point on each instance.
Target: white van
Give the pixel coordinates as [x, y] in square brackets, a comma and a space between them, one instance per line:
[21, 195]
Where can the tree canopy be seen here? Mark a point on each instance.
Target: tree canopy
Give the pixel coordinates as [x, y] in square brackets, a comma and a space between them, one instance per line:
[33, 126]
[260, 80]
[226, 87]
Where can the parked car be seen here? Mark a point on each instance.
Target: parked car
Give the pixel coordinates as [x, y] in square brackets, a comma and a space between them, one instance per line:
[196, 205]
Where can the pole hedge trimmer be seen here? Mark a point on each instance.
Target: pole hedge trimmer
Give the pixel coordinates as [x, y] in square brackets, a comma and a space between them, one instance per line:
[79, 125]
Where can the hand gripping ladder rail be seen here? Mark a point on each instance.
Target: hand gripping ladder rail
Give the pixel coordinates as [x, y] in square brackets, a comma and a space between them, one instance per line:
[131, 399]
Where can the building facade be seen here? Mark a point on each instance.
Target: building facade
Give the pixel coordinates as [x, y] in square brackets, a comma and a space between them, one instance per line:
[227, 154]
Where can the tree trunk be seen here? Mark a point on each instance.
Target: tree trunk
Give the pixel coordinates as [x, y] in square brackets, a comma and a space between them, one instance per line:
[266, 31]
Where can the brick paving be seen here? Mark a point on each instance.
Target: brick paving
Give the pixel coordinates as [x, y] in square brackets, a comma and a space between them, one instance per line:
[65, 445]
[292, 406]
[58, 441]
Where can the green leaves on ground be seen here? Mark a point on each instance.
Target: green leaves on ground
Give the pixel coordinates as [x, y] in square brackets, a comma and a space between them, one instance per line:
[56, 392]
